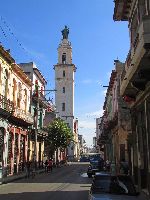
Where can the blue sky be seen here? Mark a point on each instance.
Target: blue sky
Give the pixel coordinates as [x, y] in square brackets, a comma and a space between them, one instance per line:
[32, 31]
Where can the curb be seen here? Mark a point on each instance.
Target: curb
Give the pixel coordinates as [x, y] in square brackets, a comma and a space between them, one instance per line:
[12, 178]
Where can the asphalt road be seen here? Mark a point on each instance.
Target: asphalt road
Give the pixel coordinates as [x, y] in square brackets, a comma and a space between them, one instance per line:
[65, 183]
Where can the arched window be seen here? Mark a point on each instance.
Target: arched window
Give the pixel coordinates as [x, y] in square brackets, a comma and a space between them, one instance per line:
[63, 106]
[64, 73]
[64, 58]
[63, 89]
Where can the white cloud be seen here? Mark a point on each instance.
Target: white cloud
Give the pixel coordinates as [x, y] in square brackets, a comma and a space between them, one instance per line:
[87, 81]
[95, 113]
[87, 124]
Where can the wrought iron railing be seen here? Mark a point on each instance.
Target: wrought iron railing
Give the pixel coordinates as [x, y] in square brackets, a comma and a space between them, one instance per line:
[6, 104]
[26, 116]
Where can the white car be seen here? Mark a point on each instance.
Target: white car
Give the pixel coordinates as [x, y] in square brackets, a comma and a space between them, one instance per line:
[107, 187]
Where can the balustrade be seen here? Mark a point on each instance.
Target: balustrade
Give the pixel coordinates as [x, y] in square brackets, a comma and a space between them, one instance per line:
[6, 104]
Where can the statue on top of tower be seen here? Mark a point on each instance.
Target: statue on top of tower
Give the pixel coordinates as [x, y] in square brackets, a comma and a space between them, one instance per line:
[65, 32]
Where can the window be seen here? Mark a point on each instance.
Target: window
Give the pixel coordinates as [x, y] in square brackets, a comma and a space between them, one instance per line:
[25, 100]
[64, 58]
[64, 74]
[63, 106]
[63, 89]
[6, 83]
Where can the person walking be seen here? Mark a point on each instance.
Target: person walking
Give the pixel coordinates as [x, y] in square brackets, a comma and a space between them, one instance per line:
[50, 165]
[28, 166]
[46, 166]
[124, 167]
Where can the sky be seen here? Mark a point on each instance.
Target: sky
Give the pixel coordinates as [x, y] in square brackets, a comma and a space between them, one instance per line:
[31, 29]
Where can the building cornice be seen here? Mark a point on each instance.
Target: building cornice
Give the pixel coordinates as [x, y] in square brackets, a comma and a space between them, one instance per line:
[39, 75]
[6, 55]
[17, 70]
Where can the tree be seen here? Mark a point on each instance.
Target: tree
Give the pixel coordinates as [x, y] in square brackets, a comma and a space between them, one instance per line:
[59, 135]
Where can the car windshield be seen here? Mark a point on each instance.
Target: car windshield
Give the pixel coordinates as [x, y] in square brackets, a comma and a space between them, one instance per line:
[114, 185]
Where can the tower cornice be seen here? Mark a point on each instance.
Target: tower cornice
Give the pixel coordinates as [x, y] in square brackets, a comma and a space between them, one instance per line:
[66, 65]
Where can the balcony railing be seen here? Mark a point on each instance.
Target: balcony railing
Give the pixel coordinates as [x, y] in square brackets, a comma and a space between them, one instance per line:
[41, 98]
[26, 116]
[6, 104]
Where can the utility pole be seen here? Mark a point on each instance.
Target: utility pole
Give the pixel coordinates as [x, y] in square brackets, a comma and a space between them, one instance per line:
[36, 131]
[36, 121]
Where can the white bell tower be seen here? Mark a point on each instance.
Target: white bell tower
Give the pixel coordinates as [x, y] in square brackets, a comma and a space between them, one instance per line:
[64, 85]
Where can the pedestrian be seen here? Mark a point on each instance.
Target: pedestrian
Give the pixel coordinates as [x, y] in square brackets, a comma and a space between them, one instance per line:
[50, 165]
[28, 165]
[113, 169]
[46, 166]
[57, 163]
[124, 167]
[32, 168]
[107, 165]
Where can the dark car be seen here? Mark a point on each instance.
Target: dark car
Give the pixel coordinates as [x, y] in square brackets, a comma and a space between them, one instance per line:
[92, 169]
[95, 166]
[84, 159]
[105, 186]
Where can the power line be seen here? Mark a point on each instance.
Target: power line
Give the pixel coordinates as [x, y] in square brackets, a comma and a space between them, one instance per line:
[11, 32]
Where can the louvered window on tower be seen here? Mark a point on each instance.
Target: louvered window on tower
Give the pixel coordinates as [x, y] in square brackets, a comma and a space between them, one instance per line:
[64, 73]
[63, 106]
[64, 58]
[63, 89]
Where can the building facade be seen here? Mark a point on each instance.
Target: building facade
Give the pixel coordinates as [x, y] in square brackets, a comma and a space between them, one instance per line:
[38, 105]
[135, 85]
[115, 124]
[15, 116]
[64, 85]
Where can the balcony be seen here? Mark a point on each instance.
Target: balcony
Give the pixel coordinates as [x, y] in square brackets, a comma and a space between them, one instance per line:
[137, 60]
[6, 106]
[41, 98]
[21, 118]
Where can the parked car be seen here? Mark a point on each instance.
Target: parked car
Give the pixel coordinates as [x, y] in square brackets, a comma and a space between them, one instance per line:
[92, 169]
[105, 186]
[95, 166]
[84, 159]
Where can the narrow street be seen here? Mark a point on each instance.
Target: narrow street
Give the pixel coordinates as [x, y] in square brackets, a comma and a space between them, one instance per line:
[65, 183]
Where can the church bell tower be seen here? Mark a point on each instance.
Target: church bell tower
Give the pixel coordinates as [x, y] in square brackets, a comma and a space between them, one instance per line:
[64, 85]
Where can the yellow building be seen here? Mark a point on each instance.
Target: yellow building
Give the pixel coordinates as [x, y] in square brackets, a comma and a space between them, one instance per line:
[15, 118]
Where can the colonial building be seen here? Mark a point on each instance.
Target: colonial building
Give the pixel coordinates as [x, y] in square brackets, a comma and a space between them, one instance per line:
[15, 116]
[135, 85]
[64, 85]
[38, 106]
[115, 124]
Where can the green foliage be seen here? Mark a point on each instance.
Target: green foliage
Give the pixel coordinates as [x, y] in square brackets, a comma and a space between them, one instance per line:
[59, 134]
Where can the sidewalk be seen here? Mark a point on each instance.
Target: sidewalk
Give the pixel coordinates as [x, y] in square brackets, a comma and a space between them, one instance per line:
[12, 178]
